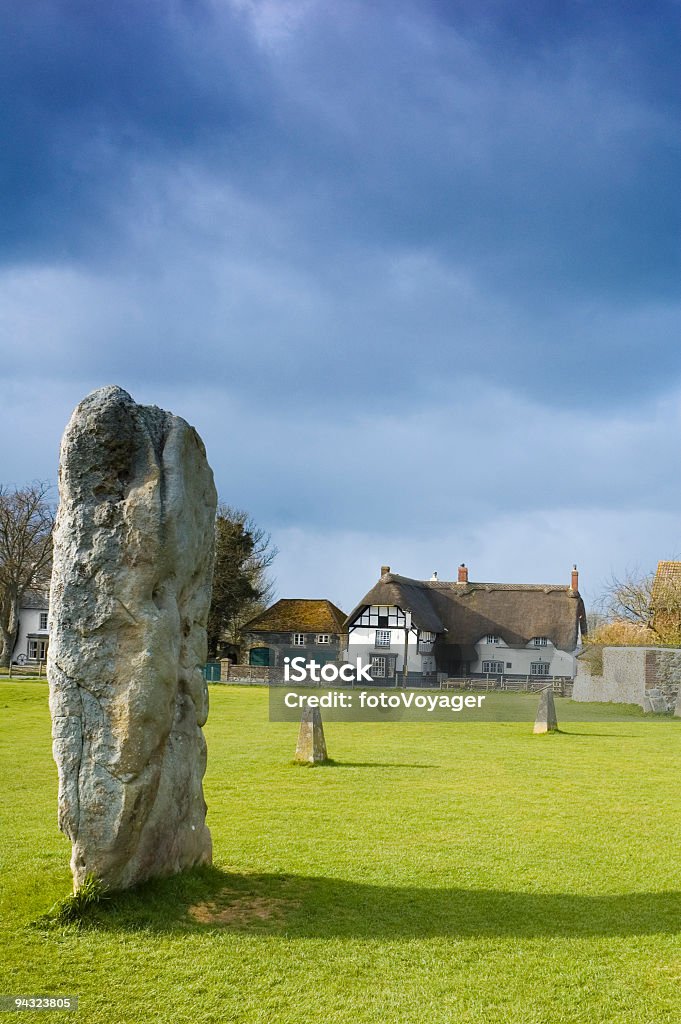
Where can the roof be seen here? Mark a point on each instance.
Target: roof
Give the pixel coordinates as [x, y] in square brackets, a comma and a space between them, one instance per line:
[291, 614]
[35, 601]
[466, 612]
[667, 584]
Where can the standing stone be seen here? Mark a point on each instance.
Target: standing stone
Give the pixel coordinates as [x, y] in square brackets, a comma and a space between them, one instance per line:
[546, 720]
[311, 743]
[131, 588]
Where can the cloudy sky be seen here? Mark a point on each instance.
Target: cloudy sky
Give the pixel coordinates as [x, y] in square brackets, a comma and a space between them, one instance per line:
[412, 268]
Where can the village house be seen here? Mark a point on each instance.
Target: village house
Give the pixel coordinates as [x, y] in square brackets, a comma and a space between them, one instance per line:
[293, 628]
[32, 638]
[463, 628]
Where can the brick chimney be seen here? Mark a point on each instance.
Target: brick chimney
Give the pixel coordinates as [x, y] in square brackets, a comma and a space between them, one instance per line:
[463, 574]
[385, 569]
[574, 583]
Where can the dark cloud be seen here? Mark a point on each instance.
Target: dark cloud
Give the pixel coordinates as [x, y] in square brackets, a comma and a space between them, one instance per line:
[354, 244]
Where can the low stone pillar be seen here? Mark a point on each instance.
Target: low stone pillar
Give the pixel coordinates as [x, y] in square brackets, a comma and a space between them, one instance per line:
[546, 720]
[311, 748]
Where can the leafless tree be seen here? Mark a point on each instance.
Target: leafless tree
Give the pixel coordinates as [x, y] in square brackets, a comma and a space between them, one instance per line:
[640, 608]
[26, 523]
[629, 598]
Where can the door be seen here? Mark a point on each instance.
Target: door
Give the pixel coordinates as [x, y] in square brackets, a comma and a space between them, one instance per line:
[259, 656]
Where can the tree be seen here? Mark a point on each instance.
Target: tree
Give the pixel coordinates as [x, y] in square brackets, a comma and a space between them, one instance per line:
[241, 585]
[26, 523]
[640, 609]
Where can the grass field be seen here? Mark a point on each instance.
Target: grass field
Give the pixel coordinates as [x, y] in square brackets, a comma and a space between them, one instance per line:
[437, 872]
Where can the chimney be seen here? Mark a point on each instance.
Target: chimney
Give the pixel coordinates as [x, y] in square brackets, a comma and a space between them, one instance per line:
[463, 573]
[385, 569]
[574, 583]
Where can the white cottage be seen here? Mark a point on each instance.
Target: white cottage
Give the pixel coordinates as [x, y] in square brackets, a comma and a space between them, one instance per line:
[32, 638]
[462, 628]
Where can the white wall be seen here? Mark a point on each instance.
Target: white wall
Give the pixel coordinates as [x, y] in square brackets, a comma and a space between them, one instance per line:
[29, 622]
[361, 644]
[561, 663]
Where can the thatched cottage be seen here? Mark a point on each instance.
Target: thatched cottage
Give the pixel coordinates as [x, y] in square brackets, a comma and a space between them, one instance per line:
[464, 628]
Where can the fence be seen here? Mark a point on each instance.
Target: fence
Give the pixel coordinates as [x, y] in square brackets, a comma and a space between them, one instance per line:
[32, 671]
[561, 685]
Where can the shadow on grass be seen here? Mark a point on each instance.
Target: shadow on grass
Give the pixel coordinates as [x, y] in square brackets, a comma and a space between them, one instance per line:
[298, 906]
[375, 764]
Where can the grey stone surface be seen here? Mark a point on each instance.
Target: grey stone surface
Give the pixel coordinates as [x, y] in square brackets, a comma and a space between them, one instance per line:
[546, 720]
[629, 675]
[657, 701]
[131, 586]
[311, 743]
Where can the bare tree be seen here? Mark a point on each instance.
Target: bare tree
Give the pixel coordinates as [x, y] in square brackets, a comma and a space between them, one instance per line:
[640, 608]
[629, 598]
[26, 523]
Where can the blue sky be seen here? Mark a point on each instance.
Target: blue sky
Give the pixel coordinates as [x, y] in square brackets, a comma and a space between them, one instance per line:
[412, 269]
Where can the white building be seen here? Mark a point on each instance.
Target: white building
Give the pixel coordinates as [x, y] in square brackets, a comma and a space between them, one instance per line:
[31, 645]
[463, 628]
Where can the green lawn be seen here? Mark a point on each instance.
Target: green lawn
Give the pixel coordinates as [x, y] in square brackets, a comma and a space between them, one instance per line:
[437, 872]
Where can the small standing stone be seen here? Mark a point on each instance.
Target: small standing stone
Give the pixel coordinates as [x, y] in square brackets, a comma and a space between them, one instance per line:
[311, 747]
[546, 720]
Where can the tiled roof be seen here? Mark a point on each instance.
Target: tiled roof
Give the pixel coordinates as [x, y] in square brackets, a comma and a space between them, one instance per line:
[303, 615]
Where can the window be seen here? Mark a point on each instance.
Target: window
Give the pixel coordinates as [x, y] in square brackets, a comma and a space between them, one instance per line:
[43, 620]
[540, 641]
[426, 637]
[509, 664]
[493, 667]
[37, 650]
[381, 615]
[378, 666]
[539, 668]
[298, 640]
[491, 638]
[382, 638]
[323, 638]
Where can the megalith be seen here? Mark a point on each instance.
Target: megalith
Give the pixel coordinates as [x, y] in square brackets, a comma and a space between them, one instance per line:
[129, 600]
[311, 747]
[546, 720]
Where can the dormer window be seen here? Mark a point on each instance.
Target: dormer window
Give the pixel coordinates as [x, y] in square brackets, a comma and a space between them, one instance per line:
[540, 641]
[492, 638]
[298, 640]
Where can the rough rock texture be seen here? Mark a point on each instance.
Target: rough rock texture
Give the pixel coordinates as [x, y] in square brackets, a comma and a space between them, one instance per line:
[311, 743]
[131, 586]
[546, 720]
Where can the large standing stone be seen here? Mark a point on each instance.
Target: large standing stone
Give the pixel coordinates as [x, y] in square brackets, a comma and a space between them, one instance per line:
[546, 720]
[311, 746]
[131, 587]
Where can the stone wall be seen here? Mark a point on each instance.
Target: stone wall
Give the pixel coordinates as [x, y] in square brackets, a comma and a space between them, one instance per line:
[628, 674]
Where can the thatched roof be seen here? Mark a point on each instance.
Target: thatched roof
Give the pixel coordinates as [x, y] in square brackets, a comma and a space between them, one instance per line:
[291, 615]
[466, 612]
[666, 588]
